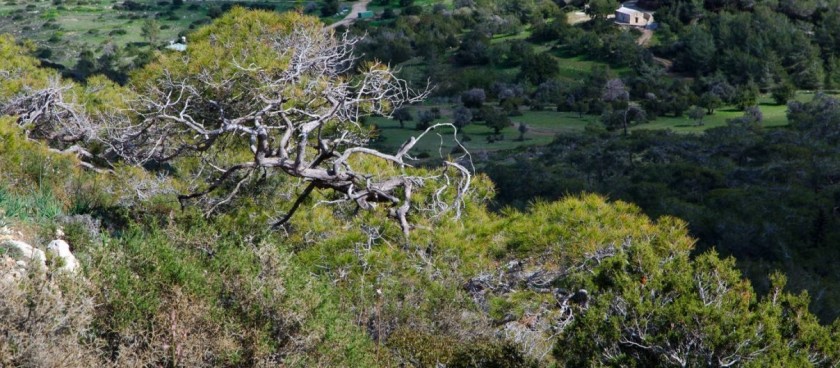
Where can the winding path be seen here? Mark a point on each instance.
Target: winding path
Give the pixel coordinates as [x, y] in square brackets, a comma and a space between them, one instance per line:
[353, 15]
[644, 39]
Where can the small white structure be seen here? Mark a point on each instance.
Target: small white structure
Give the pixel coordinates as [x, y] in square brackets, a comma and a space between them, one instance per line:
[633, 17]
[178, 46]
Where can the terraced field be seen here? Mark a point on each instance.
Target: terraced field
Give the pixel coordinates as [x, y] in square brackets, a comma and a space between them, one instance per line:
[62, 29]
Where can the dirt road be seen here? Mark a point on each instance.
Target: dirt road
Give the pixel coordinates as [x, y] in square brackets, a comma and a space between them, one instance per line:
[351, 17]
[644, 39]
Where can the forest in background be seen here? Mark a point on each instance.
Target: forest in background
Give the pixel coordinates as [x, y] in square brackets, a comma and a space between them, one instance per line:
[767, 197]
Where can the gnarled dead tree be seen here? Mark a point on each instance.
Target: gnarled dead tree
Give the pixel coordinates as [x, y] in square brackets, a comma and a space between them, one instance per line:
[47, 114]
[298, 115]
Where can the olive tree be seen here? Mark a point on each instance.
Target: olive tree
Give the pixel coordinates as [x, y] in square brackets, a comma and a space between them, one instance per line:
[616, 93]
[402, 114]
[697, 114]
[461, 116]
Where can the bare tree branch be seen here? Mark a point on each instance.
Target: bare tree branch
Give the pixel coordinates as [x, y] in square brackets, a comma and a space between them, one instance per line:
[302, 120]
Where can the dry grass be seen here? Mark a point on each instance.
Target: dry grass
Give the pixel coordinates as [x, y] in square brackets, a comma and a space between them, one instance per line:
[45, 321]
[182, 335]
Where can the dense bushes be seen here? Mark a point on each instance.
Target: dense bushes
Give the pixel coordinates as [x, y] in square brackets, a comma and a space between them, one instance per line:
[311, 295]
[763, 196]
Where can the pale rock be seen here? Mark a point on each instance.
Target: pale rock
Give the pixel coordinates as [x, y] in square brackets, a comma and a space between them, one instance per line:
[10, 277]
[9, 271]
[62, 250]
[7, 263]
[28, 252]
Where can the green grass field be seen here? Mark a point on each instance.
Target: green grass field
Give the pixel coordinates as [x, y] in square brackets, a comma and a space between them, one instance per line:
[68, 27]
[543, 126]
[774, 116]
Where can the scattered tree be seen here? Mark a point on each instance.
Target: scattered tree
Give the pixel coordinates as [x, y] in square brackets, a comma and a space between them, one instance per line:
[783, 91]
[746, 96]
[329, 8]
[473, 98]
[150, 31]
[539, 68]
[710, 101]
[402, 115]
[461, 117]
[85, 65]
[424, 119]
[696, 114]
[495, 119]
[616, 94]
[522, 130]
[601, 9]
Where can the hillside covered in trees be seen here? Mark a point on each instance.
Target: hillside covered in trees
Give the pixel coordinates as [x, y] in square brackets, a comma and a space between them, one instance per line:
[768, 197]
[236, 204]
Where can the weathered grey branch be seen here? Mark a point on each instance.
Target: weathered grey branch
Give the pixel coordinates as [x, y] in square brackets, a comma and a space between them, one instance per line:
[301, 120]
[48, 114]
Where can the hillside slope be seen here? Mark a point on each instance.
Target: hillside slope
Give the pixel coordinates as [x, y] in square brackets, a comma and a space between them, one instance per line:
[581, 281]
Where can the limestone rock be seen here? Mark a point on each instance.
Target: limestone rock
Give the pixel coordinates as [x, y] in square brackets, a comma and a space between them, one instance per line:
[62, 250]
[25, 252]
[9, 270]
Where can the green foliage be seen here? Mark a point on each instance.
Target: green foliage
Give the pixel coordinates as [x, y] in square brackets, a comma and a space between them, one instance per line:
[539, 68]
[426, 350]
[329, 8]
[33, 183]
[569, 229]
[745, 45]
[697, 114]
[600, 9]
[727, 183]
[699, 51]
[491, 355]
[495, 119]
[27, 73]
[746, 96]
[711, 102]
[660, 310]
[150, 31]
[783, 92]
[40, 205]
[243, 296]
[423, 349]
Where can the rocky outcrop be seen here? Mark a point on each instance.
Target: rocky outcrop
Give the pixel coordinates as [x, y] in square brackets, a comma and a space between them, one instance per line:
[25, 254]
[10, 270]
[18, 257]
[66, 260]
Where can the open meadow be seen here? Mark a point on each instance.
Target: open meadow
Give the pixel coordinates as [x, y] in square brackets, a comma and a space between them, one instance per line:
[61, 29]
[544, 126]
